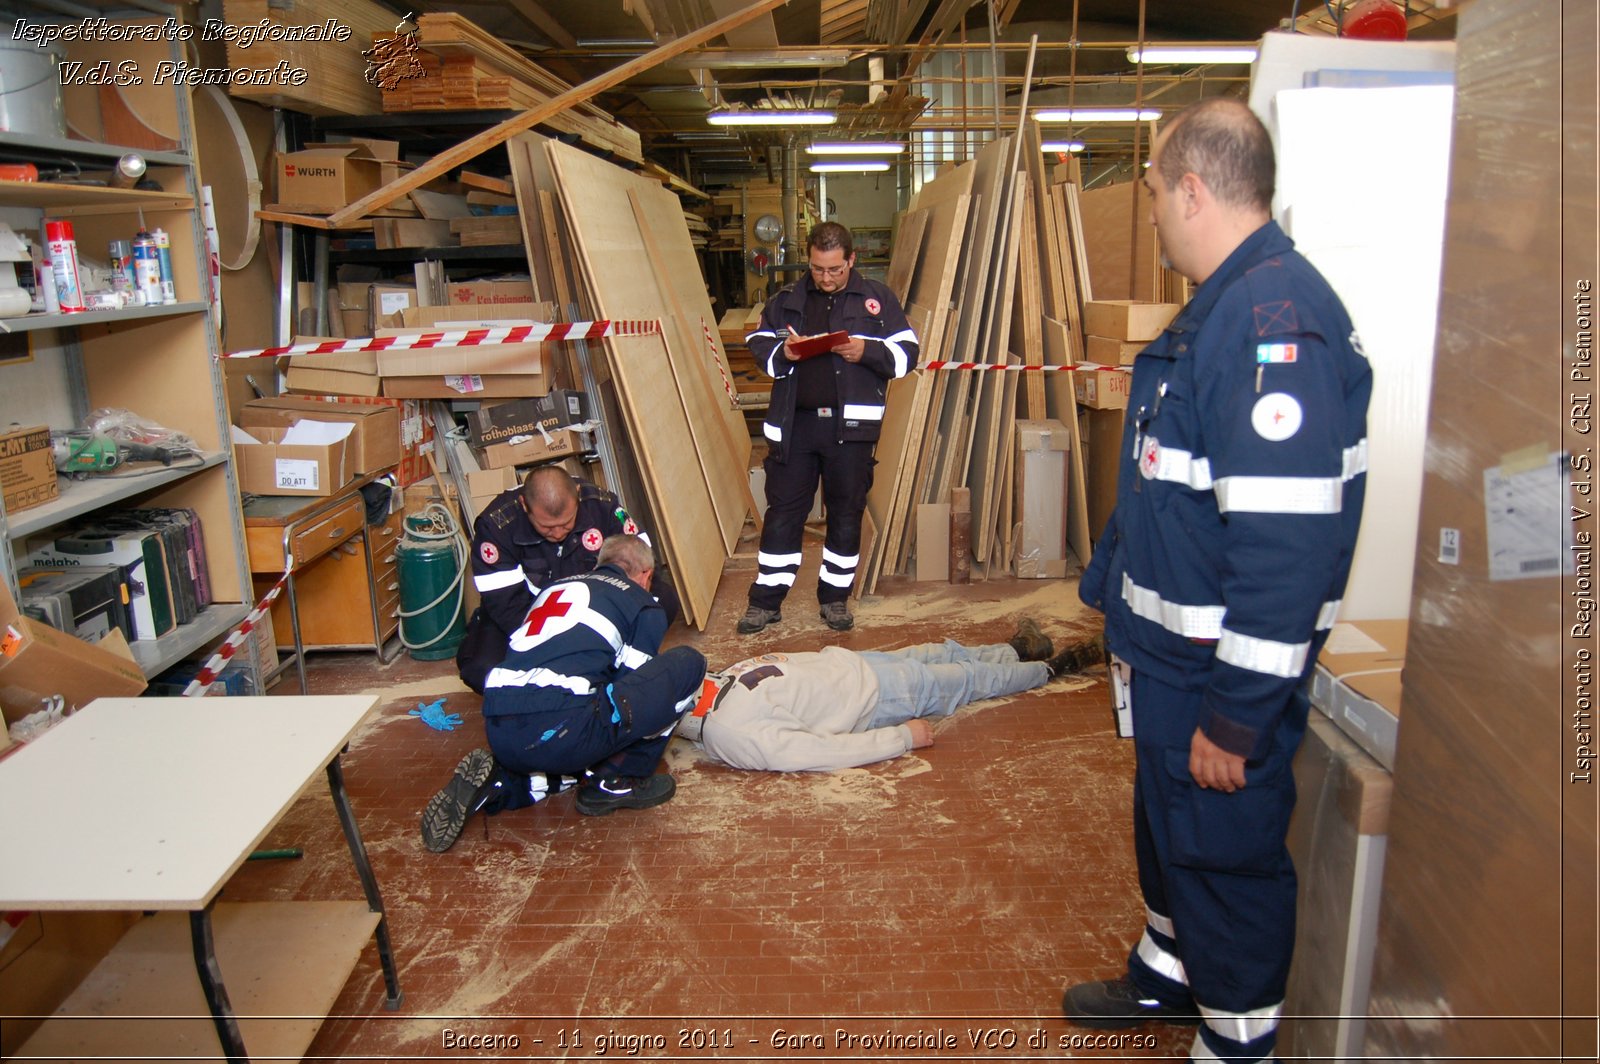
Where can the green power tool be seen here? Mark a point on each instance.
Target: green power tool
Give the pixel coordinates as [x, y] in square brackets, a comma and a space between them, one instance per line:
[80, 453]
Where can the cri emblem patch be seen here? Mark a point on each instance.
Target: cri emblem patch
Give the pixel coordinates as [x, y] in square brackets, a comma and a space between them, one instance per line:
[489, 553]
[592, 539]
[1276, 416]
[873, 306]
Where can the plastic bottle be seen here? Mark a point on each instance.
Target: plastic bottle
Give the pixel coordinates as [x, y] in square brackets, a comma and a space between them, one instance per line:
[64, 264]
[146, 269]
[164, 259]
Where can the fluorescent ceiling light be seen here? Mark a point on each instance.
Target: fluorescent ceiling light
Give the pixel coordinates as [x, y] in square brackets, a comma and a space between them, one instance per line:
[771, 118]
[863, 166]
[1177, 53]
[1101, 114]
[857, 147]
[1062, 145]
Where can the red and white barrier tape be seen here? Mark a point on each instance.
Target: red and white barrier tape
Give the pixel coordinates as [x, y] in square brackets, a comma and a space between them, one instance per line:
[727, 385]
[506, 334]
[993, 367]
[213, 668]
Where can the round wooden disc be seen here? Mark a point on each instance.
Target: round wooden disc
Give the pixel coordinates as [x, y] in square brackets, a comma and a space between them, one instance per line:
[228, 165]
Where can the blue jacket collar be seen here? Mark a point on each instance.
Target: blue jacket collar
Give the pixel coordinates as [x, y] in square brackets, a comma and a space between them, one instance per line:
[1260, 245]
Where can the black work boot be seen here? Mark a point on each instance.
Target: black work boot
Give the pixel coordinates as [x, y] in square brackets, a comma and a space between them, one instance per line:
[1030, 643]
[598, 797]
[465, 794]
[1075, 657]
[1111, 1004]
[756, 618]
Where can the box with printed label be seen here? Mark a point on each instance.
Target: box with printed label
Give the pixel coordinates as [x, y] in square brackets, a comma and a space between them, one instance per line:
[271, 467]
[496, 423]
[532, 448]
[1357, 683]
[1127, 319]
[465, 386]
[325, 177]
[38, 662]
[1101, 387]
[27, 468]
[373, 446]
[416, 431]
[483, 293]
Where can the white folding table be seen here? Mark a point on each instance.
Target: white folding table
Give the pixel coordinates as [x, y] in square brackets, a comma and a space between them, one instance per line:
[152, 804]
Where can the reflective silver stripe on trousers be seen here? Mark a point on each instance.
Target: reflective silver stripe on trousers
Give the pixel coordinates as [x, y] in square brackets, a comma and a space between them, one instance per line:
[497, 580]
[1191, 622]
[1199, 1051]
[1266, 656]
[1280, 495]
[777, 560]
[1243, 1026]
[632, 657]
[1179, 467]
[839, 561]
[862, 412]
[540, 677]
[828, 576]
[1161, 923]
[776, 579]
[1162, 962]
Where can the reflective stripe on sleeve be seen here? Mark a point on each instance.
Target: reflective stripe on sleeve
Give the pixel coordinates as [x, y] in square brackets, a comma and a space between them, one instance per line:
[902, 361]
[1328, 614]
[1355, 460]
[501, 578]
[1266, 656]
[1280, 495]
[772, 432]
[1191, 622]
[1178, 466]
[1243, 1026]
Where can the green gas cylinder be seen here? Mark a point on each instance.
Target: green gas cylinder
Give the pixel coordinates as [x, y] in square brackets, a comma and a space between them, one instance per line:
[432, 567]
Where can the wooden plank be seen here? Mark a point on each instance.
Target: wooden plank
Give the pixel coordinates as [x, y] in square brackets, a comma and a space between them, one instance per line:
[472, 147]
[907, 248]
[933, 541]
[1062, 404]
[485, 183]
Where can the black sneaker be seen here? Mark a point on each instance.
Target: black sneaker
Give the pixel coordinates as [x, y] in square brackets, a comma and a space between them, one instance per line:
[836, 615]
[447, 811]
[1030, 643]
[1112, 1004]
[599, 797]
[755, 618]
[1075, 658]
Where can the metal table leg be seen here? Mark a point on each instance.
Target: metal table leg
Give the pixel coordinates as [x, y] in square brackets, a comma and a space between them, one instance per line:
[205, 962]
[369, 882]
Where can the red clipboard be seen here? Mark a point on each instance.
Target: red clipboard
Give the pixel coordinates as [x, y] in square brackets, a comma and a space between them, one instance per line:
[821, 344]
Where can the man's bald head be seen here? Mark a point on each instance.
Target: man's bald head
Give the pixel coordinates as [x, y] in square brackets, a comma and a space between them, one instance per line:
[1221, 141]
[550, 496]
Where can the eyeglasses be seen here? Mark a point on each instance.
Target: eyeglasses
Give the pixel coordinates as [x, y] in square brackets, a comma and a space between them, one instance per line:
[830, 271]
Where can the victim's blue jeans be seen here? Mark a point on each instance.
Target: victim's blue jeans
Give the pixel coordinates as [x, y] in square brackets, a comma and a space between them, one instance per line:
[936, 679]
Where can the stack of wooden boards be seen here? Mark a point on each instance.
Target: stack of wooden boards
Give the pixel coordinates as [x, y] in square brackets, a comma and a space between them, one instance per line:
[608, 244]
[992, 268]
[464, 68]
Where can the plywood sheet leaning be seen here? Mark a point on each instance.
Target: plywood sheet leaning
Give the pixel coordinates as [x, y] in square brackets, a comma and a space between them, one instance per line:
[907, 249]
[1061, 403]
[1027, 311]
[1111, 240]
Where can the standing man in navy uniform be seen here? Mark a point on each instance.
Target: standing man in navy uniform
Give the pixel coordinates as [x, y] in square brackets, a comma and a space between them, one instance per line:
[585, 691]
[552, 526]
[824, 419]
[1220, 573]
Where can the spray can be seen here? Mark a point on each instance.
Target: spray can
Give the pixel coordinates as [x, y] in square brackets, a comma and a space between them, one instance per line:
[128, 171]
[146, 269]
[122, 280]
[164, 259]
[64, 264]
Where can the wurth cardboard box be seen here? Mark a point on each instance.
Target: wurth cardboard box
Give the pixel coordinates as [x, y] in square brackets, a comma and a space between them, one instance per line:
[325, 177]
[37, 662]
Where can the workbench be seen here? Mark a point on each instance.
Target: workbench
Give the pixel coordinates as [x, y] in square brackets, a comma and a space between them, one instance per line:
[152, 804]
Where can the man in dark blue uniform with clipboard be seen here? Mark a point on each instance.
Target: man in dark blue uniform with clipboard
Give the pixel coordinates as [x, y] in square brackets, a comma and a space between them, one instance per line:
[823, 422]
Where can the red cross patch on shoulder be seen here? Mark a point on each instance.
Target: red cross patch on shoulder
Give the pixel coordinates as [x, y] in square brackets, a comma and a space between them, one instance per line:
[489, 553]
[592, 539]
[874, 307]
[629, 528]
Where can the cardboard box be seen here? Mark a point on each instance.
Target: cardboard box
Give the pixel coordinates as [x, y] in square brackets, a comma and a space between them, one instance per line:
[476, 315]
[534, 448]
[1127, 319]
[1041, 546]
[1106, 351]
[1101, 387]
[388, 233]
[374, 445]
[485, 293]
[36, 662]
[325, 177]
[274, 468]
[492, 423]
[354, 373]
[486, 485]
[386, 305]
[1357, 683]
[497, 359]
[27, 468]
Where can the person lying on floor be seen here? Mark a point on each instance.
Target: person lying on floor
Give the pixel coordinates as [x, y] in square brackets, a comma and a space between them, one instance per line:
[837, 708]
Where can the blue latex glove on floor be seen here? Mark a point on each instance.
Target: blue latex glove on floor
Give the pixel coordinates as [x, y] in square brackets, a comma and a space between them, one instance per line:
[434, 716]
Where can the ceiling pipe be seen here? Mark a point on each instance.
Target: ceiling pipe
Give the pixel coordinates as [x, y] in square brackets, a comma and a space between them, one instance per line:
[791, 202]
